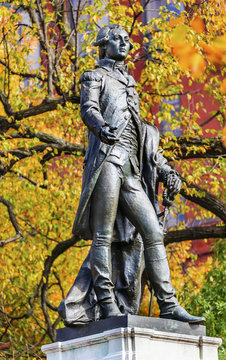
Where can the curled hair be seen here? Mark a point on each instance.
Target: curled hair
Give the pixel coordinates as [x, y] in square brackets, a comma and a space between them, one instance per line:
[103, 37]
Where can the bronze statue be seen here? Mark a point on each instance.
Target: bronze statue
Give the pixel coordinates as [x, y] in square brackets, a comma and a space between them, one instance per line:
[119, 200]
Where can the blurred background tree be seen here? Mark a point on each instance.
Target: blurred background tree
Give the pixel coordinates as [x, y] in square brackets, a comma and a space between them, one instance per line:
[45, 46]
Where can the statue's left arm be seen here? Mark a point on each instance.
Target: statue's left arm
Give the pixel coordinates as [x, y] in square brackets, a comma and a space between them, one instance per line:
[170, 177]
[155, 166]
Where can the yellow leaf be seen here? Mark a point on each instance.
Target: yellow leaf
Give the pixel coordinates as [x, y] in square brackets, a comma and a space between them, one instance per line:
[197, 65]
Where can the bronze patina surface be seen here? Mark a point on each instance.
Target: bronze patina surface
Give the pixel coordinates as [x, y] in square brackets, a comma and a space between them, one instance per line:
[119, 201]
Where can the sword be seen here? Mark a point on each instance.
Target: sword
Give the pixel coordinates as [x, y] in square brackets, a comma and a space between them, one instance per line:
[167, 202]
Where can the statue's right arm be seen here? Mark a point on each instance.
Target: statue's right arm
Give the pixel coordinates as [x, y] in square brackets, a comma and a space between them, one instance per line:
[91, 82]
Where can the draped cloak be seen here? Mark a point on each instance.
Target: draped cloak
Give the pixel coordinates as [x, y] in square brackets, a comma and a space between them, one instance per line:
[106, 97]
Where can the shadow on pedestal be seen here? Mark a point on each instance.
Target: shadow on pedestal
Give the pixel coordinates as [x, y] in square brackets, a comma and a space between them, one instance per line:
[124, 321]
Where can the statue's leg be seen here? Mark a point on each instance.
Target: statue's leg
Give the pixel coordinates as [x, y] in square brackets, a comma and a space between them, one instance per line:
[103, 209]
[139, 210]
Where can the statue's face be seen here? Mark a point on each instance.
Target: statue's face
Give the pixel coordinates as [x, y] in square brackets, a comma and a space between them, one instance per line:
[117, 47]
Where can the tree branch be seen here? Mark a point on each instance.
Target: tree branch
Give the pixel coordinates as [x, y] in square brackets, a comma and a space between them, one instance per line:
[175, 94]
[63, 22]
[67, 149]
[9, 240]
[57, 251]
[35, 20]
[44, 137]
[70, 149]
[24, 75]
[45, 106]
[195, 233]
[12, 216]
[75, 23]
[59, 283]
[8, 109]
[49, 50]
[135, 16]
[207, 201]
[64, 47]
[211, 118]
[51, 306]
[184, 148]
[6, 53]
[28, 179]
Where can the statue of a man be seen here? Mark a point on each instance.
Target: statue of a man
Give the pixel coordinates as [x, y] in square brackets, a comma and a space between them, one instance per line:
[121, 174]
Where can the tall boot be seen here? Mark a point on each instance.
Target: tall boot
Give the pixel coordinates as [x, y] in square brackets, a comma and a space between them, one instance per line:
[157, 268]
[101, 268]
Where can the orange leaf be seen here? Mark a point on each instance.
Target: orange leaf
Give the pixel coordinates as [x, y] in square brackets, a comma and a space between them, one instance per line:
[215, 51]
[182, 49]
[175, 21]
[224, 137]
[197, 24]
[223, 86]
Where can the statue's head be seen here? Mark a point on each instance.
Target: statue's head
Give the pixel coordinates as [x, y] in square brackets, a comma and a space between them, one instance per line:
[113, 42]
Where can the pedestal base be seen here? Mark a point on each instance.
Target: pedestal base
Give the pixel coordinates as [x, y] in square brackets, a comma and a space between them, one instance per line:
[135, 343]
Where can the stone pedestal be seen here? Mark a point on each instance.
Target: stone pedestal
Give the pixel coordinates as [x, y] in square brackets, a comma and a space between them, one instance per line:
[156, 339]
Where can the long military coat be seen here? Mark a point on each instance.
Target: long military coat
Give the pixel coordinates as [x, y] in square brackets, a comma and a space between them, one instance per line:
[106, 97]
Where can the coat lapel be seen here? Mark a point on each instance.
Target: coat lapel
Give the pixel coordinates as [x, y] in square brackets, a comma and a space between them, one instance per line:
[117, 75]
[131, 82]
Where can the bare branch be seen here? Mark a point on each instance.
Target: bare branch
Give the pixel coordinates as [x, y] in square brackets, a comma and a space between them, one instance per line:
[59, 283]
[5, 124]
[5, 332]
[31, 304]
[75, 20]
[28, 179]
[57, 251]
[49, 50]
[51, 306]
[61, 14]
[44, 137]
[136, 15]
[45, 106]
[6, 53]
[24, 75]
[64, 47]
[18, 355]
[7, 107]
[12, 216]
[35, 20]
[206, 200]
[176, 93]
[211, 118]
[195, 233]
[12, 317]
[9, 240]
[19, 154]
[184, 148]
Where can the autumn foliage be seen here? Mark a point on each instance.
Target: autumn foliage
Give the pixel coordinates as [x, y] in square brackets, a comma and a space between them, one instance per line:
[45, 46]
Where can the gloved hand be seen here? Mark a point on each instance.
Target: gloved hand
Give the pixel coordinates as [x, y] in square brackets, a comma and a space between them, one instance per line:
[107, 135]
[173, 184]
